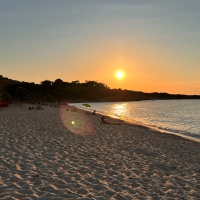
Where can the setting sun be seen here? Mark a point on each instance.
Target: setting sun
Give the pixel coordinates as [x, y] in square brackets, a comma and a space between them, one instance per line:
[119, 74]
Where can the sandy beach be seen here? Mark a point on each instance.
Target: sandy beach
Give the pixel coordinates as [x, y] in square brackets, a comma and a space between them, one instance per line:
[57, 153]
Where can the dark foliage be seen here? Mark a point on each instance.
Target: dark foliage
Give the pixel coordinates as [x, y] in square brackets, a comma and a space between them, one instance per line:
[74, 91]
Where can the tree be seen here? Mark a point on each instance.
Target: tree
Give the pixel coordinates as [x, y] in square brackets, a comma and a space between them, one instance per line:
[23, 94]
[58, 82]
[46, 83]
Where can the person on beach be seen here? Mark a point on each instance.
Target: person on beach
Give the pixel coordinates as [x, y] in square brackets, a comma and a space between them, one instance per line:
[105, 121]
[73, 109]
[39, 107]
[94, 112]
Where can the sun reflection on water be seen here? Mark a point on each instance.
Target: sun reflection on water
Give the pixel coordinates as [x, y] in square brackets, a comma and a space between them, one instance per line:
[119, 110]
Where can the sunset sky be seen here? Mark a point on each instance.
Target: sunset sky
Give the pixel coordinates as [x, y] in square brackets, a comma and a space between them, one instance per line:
[155, 43]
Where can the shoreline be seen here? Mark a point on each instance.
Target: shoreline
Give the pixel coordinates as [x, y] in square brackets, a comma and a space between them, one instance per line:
[133, 122]
[45, 156]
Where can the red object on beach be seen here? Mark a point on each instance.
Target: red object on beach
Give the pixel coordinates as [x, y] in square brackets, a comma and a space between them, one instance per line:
[64, 103]
[3, 104]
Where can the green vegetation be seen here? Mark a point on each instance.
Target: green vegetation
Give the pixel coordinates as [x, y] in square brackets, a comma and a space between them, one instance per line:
[90, 91]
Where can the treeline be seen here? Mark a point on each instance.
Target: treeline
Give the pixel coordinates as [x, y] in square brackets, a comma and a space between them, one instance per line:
[58, 90]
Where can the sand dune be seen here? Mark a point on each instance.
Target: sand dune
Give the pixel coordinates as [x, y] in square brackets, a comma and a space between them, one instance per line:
[57, 153]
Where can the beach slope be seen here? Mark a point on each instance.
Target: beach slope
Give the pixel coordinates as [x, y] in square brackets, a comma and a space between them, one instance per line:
[65, 153]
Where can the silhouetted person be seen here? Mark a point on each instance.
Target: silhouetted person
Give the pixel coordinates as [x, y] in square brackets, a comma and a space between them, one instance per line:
[105, 121]
[94, 112]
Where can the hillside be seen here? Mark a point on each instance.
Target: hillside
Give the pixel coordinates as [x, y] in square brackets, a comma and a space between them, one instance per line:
[4, 83]
[46, 91]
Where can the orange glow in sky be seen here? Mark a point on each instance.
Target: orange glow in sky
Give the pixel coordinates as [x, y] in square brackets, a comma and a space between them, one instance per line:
[156, 45]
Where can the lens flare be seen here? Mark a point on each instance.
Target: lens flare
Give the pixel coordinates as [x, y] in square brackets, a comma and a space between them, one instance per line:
[76, 121]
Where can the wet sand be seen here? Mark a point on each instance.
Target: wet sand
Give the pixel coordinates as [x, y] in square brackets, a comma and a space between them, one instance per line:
[57, 153]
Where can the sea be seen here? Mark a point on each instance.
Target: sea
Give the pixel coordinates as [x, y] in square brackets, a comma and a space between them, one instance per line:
[179, 117]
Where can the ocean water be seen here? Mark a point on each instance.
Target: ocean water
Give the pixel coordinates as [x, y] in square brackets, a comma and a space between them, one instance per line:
[180, 117]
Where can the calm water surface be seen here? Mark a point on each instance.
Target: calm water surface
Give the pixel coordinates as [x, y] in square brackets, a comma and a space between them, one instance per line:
[175, 116]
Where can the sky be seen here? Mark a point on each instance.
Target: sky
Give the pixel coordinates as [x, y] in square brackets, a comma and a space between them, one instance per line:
[155, 43]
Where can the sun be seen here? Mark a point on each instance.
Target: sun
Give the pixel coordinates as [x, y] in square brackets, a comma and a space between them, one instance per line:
[119, 74]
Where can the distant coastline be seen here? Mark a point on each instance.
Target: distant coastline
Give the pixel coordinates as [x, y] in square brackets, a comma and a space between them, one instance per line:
[75, 91]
